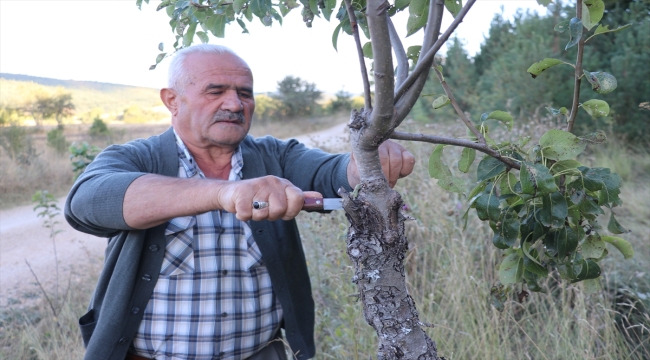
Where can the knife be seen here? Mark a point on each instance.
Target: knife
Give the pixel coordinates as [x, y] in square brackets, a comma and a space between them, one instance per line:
[320, 204]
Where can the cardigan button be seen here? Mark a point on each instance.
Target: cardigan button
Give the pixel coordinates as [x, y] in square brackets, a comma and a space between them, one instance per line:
[153, 248]
[135, 310]
[146, 277]
[260, 231]
[122, 340]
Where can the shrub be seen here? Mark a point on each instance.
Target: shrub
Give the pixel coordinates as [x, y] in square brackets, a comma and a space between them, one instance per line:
[56, 140]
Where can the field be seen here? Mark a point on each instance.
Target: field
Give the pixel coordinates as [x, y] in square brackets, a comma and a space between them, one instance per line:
[449, 270]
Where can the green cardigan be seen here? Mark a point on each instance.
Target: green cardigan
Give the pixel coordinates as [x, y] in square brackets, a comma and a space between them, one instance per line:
[134, 257]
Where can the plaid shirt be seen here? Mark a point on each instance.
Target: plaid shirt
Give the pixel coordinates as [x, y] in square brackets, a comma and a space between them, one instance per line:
[213, 299]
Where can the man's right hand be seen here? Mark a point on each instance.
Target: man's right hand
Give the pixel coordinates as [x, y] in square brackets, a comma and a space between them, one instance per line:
[283, 198]
[153, 199]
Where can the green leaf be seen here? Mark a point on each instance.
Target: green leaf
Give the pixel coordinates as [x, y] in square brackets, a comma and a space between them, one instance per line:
[489, 167]
[592, 12]
[562, 26]
[602, 180]
[439, 170]
[534, 267]
[160, 57]
[511, 269]
[503, 117]
[605, 29]
[564, 240]
[335, 35]
[554, 210]
[188, 37]
[237, 5]
[615, 227]
[591, 286]
[203, 36]
[454, 6]
[476, 191]
[328, 9]
[597, 137]
[441, 102]
[620, 244]
[601, 82]
[161, 46]
[544, 2]
[243, 26]
[538, 67]
[536, 179]
[418, 12]
[487, 206]
[560, 145]
[531, 280]
[219, 26]
[367, 50]
[589, 206]
[466, 159]
[590, 270]
[565, 167]
[593, 247]
[413, 53]
[498, 297]
[575, 32]
[509, 230]
[402, 4]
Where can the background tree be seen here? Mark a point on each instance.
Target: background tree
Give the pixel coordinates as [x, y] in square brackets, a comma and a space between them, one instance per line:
[521, 192]
[298, 97]
[61, 106]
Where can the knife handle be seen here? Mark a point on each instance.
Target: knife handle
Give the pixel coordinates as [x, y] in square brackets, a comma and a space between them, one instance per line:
[313, 204]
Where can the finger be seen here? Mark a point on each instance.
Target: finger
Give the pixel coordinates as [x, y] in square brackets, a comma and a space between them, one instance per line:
[277, 202]
[395, 159]
[408, 163]
[295, 200]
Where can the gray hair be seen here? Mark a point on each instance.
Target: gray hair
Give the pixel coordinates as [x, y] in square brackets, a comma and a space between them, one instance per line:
[176, 76]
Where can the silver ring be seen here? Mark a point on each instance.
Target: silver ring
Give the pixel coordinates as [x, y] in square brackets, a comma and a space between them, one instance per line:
[257, 205]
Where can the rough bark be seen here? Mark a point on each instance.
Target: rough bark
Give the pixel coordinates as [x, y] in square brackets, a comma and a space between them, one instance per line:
[377, 247]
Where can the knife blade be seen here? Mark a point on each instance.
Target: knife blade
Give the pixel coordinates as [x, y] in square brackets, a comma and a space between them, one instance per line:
[320, 204]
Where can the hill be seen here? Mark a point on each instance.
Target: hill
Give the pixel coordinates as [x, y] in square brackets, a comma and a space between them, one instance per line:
[16, 89]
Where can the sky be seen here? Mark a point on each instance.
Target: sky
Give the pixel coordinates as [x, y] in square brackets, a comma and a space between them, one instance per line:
[112, 41]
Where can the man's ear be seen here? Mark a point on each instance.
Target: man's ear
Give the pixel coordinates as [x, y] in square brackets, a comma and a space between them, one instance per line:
[169, 97]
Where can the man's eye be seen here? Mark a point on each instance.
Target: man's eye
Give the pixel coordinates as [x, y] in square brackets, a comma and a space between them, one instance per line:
[245, 95]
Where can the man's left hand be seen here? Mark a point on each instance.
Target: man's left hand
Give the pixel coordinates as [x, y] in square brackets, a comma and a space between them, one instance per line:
[396, 163]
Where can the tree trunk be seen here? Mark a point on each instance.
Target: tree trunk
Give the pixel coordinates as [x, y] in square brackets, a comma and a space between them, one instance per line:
[377, 246]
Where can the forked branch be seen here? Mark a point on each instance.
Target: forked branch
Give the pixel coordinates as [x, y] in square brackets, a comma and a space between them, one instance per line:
[424, 63]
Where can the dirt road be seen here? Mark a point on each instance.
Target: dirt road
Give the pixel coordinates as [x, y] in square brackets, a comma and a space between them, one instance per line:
[23, 240]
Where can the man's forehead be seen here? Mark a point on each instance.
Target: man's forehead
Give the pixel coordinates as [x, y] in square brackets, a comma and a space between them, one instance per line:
[207, 61]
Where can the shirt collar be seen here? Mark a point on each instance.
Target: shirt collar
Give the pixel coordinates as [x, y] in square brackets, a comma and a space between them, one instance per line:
[186, 158]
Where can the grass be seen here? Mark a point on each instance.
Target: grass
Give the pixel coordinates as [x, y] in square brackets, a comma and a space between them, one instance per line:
[449, 272]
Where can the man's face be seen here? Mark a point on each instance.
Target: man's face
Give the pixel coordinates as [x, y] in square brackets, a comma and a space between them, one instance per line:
[217, 104]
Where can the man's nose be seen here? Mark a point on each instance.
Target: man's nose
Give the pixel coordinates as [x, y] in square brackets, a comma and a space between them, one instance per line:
[232, 102]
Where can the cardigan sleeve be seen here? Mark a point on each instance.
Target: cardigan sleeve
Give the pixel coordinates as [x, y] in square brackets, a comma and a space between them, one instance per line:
[95, 202]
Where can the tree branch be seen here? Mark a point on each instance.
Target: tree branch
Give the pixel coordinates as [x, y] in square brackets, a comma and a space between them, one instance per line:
[459, 111]
[400, 54]
[362, 62]
[456, 142]
[382, 114]
[431, 33]
[578, 74]
[425, 61]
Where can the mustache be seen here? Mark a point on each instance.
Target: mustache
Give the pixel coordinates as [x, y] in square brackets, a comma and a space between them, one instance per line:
[225, 115]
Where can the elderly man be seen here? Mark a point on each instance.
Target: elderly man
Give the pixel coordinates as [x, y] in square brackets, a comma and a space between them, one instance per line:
[193, 270]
